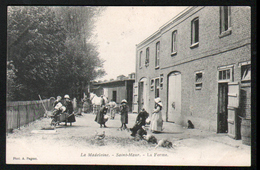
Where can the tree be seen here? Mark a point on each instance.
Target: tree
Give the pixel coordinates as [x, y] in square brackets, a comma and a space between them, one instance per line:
[50, 52]
[82, 54]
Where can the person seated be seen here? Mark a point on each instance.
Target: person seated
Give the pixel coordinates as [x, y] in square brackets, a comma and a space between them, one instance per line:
[140, 121]
[140, 134]
[58, 109]
[57, 101]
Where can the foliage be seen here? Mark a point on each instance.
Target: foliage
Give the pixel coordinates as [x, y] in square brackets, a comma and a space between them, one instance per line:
[49, 51]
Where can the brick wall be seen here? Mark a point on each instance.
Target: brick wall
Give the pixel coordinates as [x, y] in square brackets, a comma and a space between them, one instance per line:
[200, 106]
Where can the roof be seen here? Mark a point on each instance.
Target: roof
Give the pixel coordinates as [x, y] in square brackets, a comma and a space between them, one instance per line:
[113, 81]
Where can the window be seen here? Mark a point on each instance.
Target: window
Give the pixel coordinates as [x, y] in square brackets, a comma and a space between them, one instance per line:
[245, 73]
[174, 43]
[161, 81]
[225, 24]
[157, 55]
[152, 84]
[198, 80]
[225, 74]
[147, 57]
[157, 87]
[140, 59]
[195, 32]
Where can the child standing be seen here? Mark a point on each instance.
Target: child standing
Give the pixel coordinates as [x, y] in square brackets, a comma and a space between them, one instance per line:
[124, 114]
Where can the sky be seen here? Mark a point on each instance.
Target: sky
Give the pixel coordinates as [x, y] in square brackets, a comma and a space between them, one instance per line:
[119, 29]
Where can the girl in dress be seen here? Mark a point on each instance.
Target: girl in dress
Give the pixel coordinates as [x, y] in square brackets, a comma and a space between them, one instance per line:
[124, 114]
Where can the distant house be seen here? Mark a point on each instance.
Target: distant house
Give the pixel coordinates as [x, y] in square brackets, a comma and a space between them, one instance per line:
[117, 90]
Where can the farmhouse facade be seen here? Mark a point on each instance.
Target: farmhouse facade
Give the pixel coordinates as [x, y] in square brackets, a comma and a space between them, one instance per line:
[199, 64]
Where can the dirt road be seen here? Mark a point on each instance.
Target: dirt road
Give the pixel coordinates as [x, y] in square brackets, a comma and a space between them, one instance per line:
[76, 145]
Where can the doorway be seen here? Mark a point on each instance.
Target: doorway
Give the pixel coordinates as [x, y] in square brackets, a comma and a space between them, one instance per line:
[143, 94]
[222, 108]
[114, 96]
[174, 97]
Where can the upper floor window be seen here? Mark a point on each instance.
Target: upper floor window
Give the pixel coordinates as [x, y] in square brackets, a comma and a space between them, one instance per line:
[174, 43]
[140, 59]
[225, 21]
[157, 55]
[147, 57]
[224, 18]
[195, 32]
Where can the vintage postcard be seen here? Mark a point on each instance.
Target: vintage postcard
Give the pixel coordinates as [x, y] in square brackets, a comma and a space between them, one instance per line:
[129, 85]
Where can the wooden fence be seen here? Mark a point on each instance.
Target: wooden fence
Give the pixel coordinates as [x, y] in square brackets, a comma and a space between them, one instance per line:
[20, 113]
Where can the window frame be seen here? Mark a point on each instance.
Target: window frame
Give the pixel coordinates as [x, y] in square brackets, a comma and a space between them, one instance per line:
[194, 33]
[152, 85]
[242, 74]
[231, 71]
[161, 81]
[157, 55]
[198, 84]
[174, 43]
[140, 59]
[147, 56]
[222, 21]
[157, 88]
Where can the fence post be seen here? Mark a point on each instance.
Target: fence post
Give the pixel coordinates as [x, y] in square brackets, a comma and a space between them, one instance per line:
[18, 116]
[26, 108]
[34, 111]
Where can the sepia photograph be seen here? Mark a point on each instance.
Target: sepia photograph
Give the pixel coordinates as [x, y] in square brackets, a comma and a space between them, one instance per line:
[128, 85]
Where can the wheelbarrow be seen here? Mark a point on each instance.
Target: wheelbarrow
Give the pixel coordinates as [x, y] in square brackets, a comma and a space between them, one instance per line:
[63, 117]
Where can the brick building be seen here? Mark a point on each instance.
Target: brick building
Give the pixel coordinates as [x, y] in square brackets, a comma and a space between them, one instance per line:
[199, 64]
[117, 90]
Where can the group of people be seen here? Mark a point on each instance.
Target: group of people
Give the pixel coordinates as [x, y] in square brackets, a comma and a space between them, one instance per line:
[101, 117]
[63, 106]
[156, 124]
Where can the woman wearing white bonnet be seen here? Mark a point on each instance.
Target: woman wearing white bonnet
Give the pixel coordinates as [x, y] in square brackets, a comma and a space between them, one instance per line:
[156, 119]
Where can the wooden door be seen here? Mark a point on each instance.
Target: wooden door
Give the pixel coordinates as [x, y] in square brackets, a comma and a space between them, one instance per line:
[174, 97]
[222, 107]
[245, 102]
[233, 104]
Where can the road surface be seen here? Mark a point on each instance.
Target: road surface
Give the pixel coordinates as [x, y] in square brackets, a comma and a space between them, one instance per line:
[76, 145]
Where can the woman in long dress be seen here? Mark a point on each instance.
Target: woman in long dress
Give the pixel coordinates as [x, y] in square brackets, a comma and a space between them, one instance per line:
[100, 117]
[156, 119]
